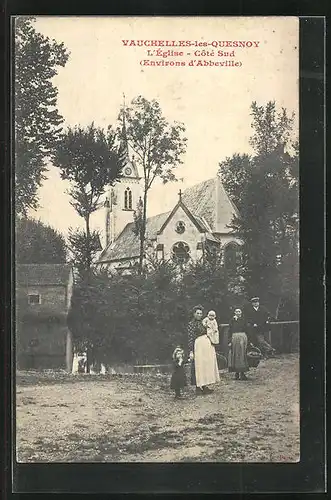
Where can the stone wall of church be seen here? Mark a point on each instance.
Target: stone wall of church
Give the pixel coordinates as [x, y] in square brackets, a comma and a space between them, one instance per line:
[191, 236]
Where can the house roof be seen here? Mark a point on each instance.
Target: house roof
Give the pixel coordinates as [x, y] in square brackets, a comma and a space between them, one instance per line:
[42, 274]
[199, 199]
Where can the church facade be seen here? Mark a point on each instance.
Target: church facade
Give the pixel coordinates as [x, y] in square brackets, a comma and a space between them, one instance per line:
[200, 218]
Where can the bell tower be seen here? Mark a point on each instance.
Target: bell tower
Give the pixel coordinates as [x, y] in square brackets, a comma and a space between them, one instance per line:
[123, 197]
[122, 201]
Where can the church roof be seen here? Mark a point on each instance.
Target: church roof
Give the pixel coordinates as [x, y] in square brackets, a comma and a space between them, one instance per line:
[127, 243]
[200, 199]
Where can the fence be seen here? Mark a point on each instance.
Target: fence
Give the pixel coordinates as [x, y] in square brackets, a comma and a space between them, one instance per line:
[283, 336]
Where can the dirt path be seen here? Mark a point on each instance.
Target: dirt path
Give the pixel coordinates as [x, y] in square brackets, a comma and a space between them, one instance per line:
[65, 418]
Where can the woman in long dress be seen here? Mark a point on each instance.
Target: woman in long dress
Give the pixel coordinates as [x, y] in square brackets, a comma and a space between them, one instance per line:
[237, 362]
[204, 368]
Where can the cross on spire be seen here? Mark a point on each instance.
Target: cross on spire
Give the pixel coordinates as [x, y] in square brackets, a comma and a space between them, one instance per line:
[180, 195]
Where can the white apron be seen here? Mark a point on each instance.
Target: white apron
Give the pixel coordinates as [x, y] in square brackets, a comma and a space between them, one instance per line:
[205, 361]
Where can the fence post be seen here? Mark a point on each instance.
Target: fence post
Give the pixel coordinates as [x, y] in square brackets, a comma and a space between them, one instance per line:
[224, 339]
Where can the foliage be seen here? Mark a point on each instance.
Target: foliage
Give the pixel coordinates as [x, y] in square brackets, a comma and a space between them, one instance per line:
[37, 120]
[235, 173]
[158, 147]
[267, 195]
[91, 161]
[142, 318]
[38, 243]
[205, 282]
[271, 128]
[83, 250]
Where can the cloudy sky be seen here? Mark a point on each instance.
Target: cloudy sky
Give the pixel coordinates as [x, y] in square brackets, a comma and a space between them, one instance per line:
[212, 102]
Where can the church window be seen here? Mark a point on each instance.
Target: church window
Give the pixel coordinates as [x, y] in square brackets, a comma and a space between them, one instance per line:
[128, 199]
[181, 252]
[180, 227]
[232, 256]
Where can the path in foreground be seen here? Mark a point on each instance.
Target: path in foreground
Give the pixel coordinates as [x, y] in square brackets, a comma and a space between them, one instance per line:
[67, 418]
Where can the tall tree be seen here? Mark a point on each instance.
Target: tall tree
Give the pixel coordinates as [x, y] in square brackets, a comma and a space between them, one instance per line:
[267, 196]
[37, 120]
[158, 147]
[38, 243]
[91, 161]
[272, 128]
[82, 250]
[235, 173]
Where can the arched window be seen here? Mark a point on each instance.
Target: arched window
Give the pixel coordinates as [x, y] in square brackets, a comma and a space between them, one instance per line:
[128, 199]
[181, 252]
[232, 256]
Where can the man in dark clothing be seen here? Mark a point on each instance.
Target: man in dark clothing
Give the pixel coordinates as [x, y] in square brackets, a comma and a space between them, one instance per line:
[257, 320]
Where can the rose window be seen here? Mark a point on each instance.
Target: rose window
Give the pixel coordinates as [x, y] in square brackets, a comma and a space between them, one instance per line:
[180, 227]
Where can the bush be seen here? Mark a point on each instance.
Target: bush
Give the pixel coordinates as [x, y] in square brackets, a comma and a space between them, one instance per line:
[140, 319]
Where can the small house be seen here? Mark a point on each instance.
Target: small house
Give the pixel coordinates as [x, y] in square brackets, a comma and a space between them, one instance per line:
[43, 298]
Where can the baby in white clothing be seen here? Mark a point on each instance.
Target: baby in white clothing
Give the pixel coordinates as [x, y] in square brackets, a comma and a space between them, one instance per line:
[210, 323]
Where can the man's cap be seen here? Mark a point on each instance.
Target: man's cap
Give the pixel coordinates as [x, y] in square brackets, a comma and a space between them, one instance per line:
[254, 299]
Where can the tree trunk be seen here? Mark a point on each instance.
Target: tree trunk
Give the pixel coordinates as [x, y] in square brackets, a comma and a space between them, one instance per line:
[88, 277]
[143, 233]
[88, 240]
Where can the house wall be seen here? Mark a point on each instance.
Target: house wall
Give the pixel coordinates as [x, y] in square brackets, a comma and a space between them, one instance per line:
[42, 345]
[169, 236]
[54, 299]
[43, 340]
[69, 290]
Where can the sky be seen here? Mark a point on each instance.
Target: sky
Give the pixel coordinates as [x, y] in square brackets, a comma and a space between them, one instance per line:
[212, 102]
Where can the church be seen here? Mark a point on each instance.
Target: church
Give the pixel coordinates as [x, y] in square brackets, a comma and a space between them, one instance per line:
[200, 218]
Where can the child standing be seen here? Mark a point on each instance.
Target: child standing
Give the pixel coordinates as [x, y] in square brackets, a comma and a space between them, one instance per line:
[210, 323]
[178, 378]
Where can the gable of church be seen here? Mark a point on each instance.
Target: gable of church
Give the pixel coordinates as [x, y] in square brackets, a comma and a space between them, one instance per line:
[180, 230]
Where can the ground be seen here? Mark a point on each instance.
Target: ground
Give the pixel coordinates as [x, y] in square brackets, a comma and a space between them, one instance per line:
[101, 418]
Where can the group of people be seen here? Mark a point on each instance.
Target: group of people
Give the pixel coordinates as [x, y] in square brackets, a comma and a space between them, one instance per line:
[246, 328]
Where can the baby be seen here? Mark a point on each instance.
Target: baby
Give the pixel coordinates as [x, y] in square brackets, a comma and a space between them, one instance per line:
[210, 323]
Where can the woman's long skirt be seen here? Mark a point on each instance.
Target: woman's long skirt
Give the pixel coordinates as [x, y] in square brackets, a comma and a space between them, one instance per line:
[237, 361]
[205, 362]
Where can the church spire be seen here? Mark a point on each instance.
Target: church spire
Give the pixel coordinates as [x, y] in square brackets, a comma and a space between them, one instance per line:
[124, 141]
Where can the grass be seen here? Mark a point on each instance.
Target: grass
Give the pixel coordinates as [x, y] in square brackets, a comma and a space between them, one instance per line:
[106, 418]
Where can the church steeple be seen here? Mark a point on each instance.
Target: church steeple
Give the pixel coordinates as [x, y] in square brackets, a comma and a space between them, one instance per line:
[124, 140]
[130, 169]
[124, 194]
